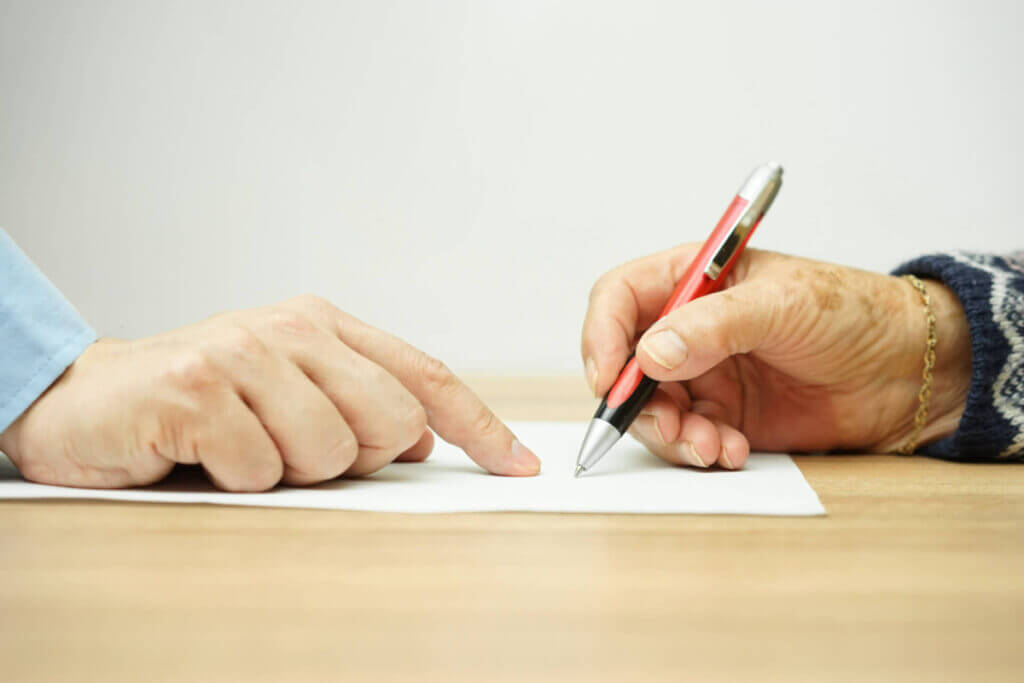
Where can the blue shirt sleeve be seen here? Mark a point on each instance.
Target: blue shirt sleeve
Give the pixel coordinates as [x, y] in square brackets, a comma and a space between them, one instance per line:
[41, 334]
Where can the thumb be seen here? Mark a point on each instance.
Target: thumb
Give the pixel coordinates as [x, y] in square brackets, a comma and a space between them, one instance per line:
[699, 335]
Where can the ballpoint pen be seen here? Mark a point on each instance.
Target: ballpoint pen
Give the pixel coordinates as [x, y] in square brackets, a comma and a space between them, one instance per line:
[706, 274]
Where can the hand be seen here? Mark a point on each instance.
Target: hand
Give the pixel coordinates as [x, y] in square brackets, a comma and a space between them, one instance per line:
[298, 392]
[793, 355]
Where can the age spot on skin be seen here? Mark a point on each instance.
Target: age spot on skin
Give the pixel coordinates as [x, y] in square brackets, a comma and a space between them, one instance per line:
[826, 287]
[876, 298]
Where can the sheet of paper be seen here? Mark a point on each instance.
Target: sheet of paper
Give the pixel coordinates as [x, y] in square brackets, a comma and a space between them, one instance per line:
[628, 480]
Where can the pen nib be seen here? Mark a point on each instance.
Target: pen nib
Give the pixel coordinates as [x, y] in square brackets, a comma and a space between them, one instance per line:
[579, 470]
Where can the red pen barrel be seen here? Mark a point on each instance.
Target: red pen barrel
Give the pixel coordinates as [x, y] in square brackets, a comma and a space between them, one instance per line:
[694, 282]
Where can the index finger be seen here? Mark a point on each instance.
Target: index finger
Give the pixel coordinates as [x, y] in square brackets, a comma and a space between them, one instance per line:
[623, 303]
[453, 410]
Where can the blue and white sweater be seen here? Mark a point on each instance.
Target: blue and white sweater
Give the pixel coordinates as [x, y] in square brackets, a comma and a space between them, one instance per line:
[991, 290]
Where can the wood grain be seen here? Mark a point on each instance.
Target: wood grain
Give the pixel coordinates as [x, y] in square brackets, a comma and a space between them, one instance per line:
[917, 573]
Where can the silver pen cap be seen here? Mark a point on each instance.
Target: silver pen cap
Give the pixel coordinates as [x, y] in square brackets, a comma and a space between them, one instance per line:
[759, 189]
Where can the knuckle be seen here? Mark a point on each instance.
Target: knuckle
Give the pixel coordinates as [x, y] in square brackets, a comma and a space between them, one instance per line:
[308, 300]
[720, 336]
[167, 435]
[195, 372]
[601, 285]
[436, 374]
[783, 292]
[485, 422]
[615, 280]
[314, 303]
[242, 344]
[291, 322]
[401, 426]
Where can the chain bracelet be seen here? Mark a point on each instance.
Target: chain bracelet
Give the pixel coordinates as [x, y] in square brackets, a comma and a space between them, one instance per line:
[925, 394]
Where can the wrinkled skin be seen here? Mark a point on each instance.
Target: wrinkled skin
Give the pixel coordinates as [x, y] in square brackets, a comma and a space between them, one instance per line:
[792, 355]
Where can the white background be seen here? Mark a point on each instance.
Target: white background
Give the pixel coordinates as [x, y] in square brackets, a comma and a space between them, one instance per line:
[461, 172]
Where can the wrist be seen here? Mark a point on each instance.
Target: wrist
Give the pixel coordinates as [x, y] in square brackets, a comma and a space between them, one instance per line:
[7, 441]
[951, 374]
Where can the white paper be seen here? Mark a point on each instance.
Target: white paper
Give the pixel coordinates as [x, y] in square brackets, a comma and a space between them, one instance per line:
[627, 480]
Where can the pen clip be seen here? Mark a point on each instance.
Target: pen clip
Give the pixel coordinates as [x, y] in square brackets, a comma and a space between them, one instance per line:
[760, 189]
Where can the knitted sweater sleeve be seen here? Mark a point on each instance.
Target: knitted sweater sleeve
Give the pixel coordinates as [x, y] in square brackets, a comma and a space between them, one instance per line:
[991, 290]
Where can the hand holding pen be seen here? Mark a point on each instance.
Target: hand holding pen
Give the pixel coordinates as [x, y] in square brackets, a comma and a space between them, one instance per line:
[792, 355]
[705, 274]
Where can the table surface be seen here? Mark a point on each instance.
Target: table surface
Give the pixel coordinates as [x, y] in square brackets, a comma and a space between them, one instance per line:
[917, 573]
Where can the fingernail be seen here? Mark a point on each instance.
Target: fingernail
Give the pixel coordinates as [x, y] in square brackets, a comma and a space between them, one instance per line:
[524, 461]
[724, 458]
[654, 424]
[665, 347]
[693, 456]
[591, 370]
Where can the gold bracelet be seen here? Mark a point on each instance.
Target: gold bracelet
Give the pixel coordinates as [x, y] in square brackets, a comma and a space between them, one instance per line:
[925, 394]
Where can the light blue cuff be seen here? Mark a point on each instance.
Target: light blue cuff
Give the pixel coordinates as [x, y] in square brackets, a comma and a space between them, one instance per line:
[41, 334]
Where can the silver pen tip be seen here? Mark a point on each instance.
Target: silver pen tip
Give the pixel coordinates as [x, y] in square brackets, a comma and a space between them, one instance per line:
[600, 437]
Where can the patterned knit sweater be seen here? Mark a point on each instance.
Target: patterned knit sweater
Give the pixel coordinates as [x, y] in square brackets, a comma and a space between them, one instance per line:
[991, 289]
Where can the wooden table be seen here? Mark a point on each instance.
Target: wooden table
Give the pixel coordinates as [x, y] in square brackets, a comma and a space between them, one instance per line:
[917, 573]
